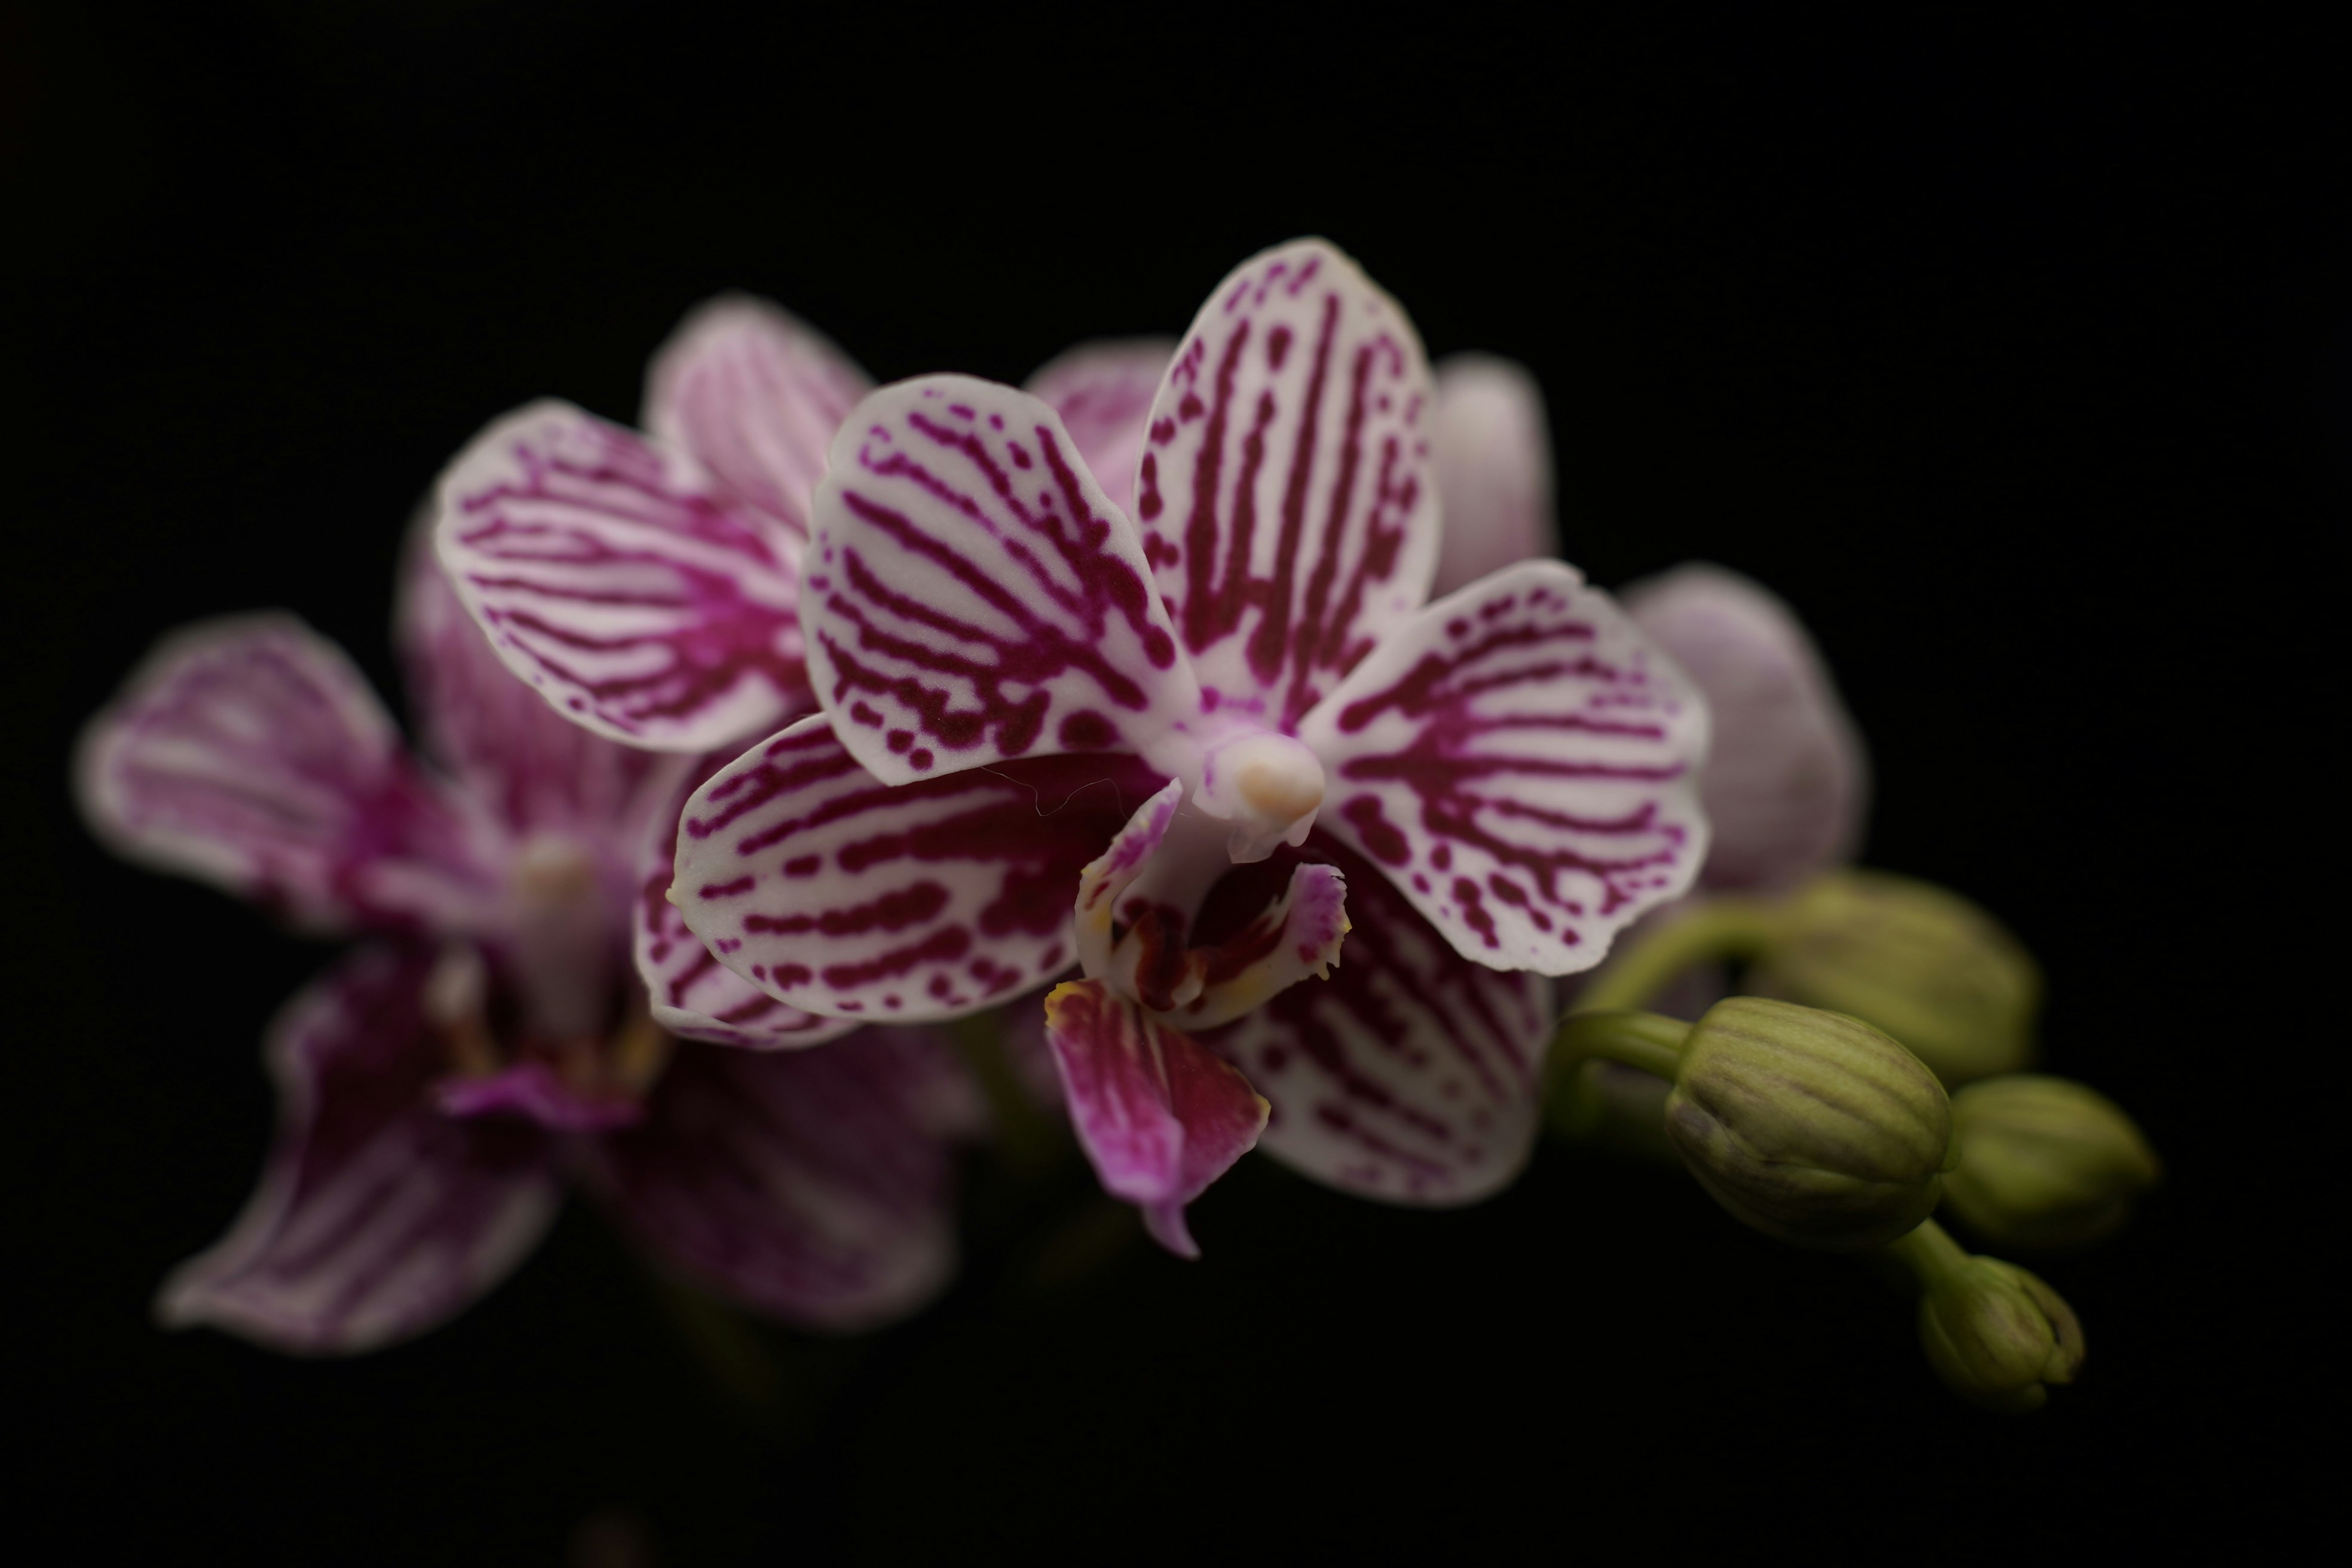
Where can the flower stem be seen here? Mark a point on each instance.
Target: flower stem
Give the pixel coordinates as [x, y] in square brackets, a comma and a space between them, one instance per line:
[1643, 1040]
[1713, 929]
[1929, 1253]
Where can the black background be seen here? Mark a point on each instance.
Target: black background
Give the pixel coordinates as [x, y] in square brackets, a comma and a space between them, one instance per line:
[2002, 349]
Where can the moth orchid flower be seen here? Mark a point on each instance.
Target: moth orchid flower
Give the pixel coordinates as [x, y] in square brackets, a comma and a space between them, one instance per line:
[1234, 730]
[438, 1086]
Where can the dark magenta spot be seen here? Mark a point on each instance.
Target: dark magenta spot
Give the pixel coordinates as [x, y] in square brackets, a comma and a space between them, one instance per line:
[1380, 838]
[1087, 731]
[919, 758]
[899, 740]
[801, 865]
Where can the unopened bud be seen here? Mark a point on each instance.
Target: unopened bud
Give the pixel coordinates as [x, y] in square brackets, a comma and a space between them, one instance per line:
[1809, 1126]
[1926, 966]
[2044, 1162]
[1998, 1336]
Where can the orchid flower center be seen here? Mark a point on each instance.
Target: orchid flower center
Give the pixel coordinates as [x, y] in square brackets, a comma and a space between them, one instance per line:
[1269, 786]
[537, 1038]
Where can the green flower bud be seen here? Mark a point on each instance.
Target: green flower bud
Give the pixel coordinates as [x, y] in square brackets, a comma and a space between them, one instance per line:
[1998, 1336]
[1809, 1126]
[1926, 966]
[2044, 1162]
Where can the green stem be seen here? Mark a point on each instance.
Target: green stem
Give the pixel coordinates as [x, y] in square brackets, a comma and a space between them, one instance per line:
[1712, 930]
[1027, 1137]
[1929, 1253]
[1643, 1040]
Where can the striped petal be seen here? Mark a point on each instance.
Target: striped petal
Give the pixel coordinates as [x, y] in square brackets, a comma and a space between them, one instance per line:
[1284, 494]
[689, 992]
[1522, 765]
[833, 892]
[818, 1187]
[631, 590]
[539, 771]
[1494, 470]
[754, 395]
[377, 1216]
[1410, 1075]
[248, 752]
[974, 595]
[1787, 778]
[1103, 391]
[1157, 1114]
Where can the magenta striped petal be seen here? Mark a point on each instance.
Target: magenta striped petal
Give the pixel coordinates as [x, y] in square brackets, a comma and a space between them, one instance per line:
[1494, 470]
[754, 395]
[538, 771]
[972, 594]
[837, 893]
[1157, 1114]
[1410, 1075]
[377, 1216]
[1522, 765]
[1285, 496]
[248, 752]
[628, 587]
[815, 1185]
[1103, 391]
[691, 994]
[1787, 778]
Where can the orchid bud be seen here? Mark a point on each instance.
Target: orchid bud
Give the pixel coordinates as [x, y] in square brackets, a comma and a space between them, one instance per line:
[1998, 1336]
[1926, 966]
[1809, 1126]
[2046, 1162]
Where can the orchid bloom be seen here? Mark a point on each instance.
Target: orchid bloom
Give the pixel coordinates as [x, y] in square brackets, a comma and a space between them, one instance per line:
[437, 1087]
[1053, 734]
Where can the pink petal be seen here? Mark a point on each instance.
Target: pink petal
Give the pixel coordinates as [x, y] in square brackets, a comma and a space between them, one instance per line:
[629, 588]
[1494, 470]
[1285, 496]
[537, 770]
[974, 595]
[377, 1216]
[1159, 1115]
[755, 395]
[842, 895]
[1787, 779]
[1522, 765]
[247, 752]
[1410, 1074]
[817, 1185]
[692, 994]
[1103, 391]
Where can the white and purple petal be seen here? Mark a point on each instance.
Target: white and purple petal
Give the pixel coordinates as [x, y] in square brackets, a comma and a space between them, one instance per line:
[377, 1216]
[1787, 778]
[536, 771]
[1103, 391]
[1285, 494]
[972, 594]
[755, 395]
[839, 894]
[689, 992]
[1522, 765]
[1494, 470]
[817, 1186]
[1410, 1075]
[248, 752]
[1157, 1114]
[634, 593]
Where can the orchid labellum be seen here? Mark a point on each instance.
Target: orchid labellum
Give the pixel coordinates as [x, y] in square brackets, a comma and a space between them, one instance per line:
[1205, 754]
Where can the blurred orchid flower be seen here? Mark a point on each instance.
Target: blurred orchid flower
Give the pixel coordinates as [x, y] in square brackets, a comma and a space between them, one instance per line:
[1028, 697]
[437, 1087]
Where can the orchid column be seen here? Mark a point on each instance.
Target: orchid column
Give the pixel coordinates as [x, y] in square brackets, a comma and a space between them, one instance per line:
[1452, 801]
